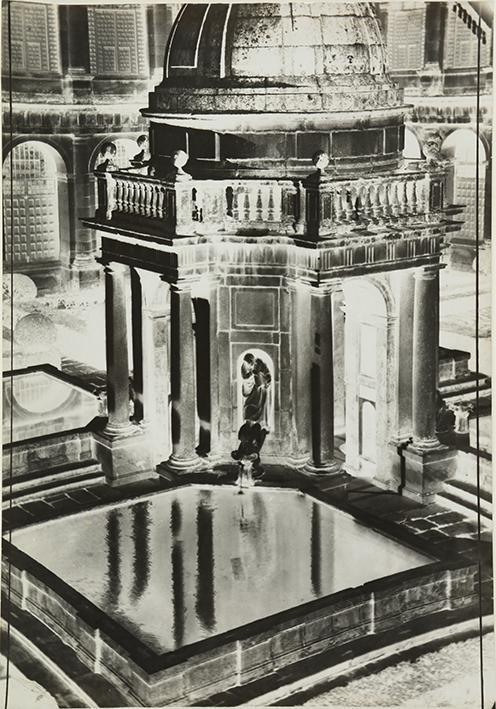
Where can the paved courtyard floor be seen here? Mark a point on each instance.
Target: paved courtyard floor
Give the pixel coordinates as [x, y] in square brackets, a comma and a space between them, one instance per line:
[448, 677]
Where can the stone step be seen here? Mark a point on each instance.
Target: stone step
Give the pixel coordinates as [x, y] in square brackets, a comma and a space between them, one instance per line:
[464, 501]
[64, 478]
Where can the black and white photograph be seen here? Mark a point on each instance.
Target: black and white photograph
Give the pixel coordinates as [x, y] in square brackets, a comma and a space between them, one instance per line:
[247, 363]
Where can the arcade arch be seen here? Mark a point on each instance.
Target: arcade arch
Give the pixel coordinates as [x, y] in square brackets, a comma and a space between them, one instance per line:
[368, 376]
[35, 202]
[461, 148]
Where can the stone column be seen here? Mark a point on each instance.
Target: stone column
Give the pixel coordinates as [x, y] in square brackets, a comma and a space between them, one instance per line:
[427, 462]
[322, 382]
[121, 447]
[214, 451]
[116, 349]
[183, 382]
[339, 354]
[425, 356]
[301, 355]
[84, 267]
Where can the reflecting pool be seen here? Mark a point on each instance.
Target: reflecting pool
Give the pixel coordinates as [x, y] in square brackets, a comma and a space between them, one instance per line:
[185, 564]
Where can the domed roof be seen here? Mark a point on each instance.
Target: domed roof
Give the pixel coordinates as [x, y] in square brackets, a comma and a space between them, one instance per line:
[281, 57]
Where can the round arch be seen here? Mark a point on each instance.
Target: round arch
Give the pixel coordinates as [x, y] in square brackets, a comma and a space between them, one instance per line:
[35, 197]
[253, 383]
[60, 155]
[460, 147]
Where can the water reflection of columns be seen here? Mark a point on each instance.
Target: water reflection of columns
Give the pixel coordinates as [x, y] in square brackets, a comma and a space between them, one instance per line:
[316, 550]
[205, 591]
[177, 574]
[141, 557]
[113, 539]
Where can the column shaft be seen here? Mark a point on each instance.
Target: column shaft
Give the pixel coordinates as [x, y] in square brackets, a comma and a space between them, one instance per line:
[425, 356]
[322, 380]
[183, 380]
[301, 355]
[116, 349]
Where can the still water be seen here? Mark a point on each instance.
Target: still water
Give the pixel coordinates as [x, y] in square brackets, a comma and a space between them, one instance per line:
[186, 564]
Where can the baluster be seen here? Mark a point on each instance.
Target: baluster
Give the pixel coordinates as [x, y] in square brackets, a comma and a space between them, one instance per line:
[123, 196]
[246, 205]
[159, 204]
[348, 204]
[129, 196]
[413, 197]
[270, 205]
[403, 197]
[366, 202]
[235, 203]
[148, 198]
[118, 195]
[376, 202]
[153, 200]
[393, 199]
[386, 208]
[142, 198]
[420, 197]
[259, 209]
[133, 198]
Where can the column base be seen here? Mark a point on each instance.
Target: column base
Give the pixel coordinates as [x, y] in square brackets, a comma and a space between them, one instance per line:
[331, 468]
[298, 461]
[426, 469]
[124, 456]
[85, 271]
[181, 466]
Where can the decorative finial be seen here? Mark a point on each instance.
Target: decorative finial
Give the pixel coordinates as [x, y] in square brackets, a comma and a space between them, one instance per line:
[321, 160]
[179, 160]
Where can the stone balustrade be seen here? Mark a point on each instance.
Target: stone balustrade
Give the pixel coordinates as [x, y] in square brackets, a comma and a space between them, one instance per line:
[313, 208]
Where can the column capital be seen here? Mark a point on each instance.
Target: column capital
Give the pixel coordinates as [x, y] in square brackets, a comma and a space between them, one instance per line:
[328, 288]
[428, 273]
[181, 286]
[114, 267]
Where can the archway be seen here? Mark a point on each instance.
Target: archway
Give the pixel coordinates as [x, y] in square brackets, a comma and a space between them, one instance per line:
[255, 388]
[367, 374]
[36, 215]
[461, 148]
[412, 149]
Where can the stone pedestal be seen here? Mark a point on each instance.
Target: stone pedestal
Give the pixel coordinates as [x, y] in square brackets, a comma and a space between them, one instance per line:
[427, 462]
[426, 470]
[124, 458]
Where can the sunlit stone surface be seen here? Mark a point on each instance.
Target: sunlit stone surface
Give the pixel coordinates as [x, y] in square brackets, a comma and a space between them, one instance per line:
[187, 564]
[38, 403]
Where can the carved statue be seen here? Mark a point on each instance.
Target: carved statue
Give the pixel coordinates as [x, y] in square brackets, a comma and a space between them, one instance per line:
[107, 154]
[432, 149]
[251, 437]
[143, 159]
[256, 381]
[445, 420]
